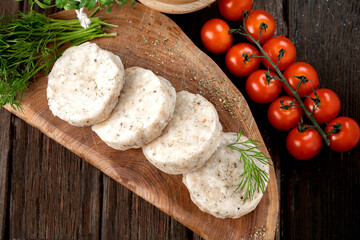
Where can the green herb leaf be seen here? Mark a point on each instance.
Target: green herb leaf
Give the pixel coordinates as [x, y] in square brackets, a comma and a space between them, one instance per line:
[253, 179]
[60, 3]
[83, 3]
[108, 10]
[72, 4]
[91, 4]
[105, 2]
[43, 5]
[123, 2]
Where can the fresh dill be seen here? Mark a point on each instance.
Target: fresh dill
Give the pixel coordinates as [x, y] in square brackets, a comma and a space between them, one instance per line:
[253, 179]
[77, 4]
[30, 43]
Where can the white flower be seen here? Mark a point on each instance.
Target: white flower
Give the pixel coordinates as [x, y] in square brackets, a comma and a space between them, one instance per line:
[83, 18]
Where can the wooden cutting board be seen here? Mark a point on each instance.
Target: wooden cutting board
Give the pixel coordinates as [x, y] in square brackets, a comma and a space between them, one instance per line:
[149, 39]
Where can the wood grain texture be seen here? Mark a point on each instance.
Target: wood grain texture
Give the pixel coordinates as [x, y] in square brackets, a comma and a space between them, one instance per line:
[5, 156]
[162, 47]
[38, 210]
[142, 220]
[319, 198]
[327, 34]
[177, 6]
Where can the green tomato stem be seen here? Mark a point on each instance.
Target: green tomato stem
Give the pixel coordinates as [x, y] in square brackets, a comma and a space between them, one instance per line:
[296, 95]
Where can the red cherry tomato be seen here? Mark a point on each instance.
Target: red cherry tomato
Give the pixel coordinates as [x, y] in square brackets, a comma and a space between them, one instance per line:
[296, 71]
[253, 24]
[303, 145]
[272, 48]
[234, 59]
[329, 105]
[284, 119]
[215, 37]
[346, 135]
[260, 90]
[232, 10]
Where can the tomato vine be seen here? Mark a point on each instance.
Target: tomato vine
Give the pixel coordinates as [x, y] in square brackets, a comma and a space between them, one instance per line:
[243, 31]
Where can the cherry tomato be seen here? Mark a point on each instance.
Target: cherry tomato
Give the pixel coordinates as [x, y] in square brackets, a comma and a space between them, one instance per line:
[300, 70]
[234, 59]
[260, 90]
[304, 145]
[329, 105]
[284, 119]
[272, 48]
[346, 135]
[215, 37]
[232, 10]
[253, 25]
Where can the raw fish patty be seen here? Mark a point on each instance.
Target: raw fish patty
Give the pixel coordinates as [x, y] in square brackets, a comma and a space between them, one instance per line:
[190, 138]
[145, 107]
[212, 186]
[84, 84]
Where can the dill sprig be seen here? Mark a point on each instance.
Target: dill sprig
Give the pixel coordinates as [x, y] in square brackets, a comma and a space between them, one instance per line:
[253, 179]
[76, 4]
[30, 43]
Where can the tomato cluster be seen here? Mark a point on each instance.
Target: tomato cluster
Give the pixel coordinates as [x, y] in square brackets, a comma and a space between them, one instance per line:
[299, 80]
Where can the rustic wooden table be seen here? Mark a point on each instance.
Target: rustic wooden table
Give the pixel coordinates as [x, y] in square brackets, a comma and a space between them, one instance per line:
[48, 192]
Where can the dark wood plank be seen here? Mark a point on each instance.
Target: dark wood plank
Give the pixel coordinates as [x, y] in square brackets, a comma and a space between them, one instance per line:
[126, 216]
[321, 196]
[7, 8]
[5, 157]
[54, 194]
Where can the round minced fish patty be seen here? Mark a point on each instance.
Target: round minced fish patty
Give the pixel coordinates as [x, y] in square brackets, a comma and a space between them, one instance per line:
[145, 107]
[190, 138]
[212, 187]
[84, 85]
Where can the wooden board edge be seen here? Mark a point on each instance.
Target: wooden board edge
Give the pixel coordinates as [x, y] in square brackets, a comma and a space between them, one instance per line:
[177, 8]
